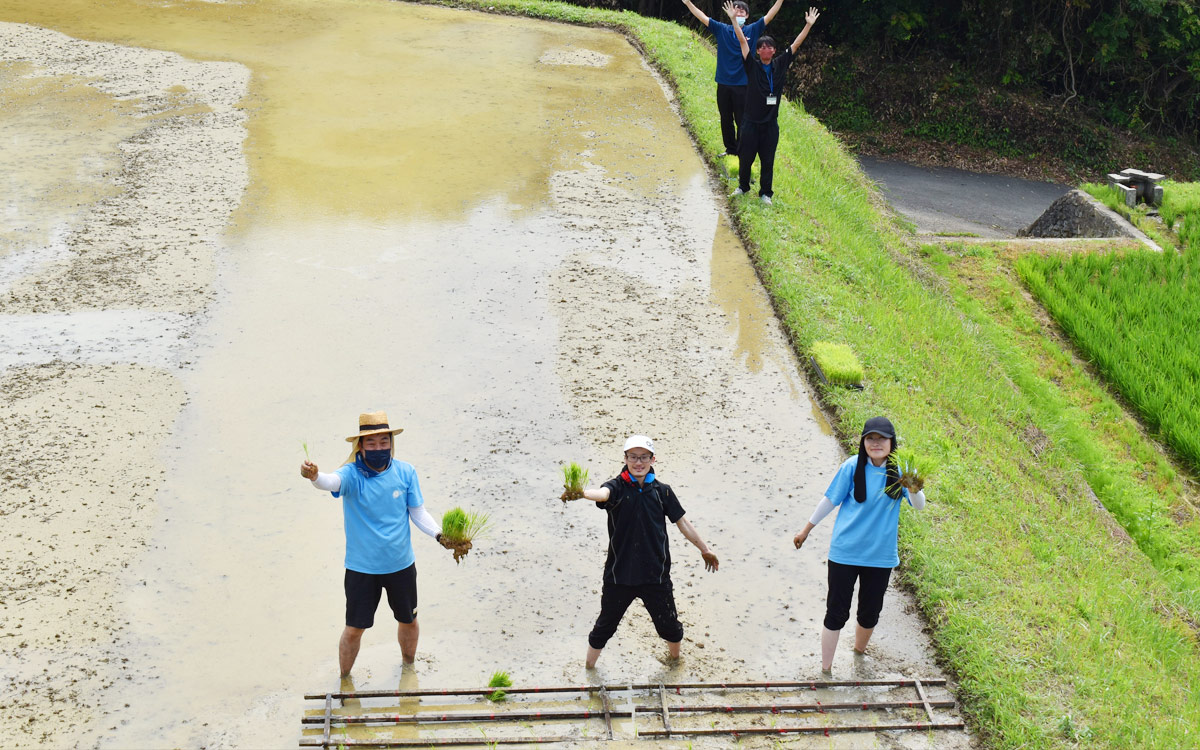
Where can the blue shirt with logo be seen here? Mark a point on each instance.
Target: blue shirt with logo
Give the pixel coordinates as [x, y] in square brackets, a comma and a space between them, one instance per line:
[375, 507]
[864, 533]
[729, 49]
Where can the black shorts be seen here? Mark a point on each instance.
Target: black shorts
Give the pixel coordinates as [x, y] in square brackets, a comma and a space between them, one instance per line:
[363, 591]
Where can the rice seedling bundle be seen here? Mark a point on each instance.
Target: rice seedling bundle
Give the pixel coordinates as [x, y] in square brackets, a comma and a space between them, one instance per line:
[574, 479]
[500, 679]
[914, 468]
[838, 362]
[459, 529]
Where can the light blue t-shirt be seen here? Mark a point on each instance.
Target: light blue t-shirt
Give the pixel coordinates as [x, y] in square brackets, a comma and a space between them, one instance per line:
[729, 50]
[375, 508]
[864, 533]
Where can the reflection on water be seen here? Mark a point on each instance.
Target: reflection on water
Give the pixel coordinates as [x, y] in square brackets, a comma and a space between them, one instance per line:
[355, 114]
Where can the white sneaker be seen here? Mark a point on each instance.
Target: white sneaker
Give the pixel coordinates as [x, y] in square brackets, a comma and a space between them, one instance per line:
[739, 191]
[766, 199]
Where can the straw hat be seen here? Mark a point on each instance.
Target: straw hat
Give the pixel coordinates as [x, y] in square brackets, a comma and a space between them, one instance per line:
[373, 423]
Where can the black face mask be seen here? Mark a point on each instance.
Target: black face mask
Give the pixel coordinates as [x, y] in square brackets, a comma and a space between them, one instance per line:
[377, 460]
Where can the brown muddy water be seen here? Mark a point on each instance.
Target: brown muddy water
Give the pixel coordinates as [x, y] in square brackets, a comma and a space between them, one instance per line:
[230, 227]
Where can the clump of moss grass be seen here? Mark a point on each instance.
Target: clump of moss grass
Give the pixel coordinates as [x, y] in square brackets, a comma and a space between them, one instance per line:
[459, 529]
[838, 362]
[500, 679]
[574, 479]
[914, 467]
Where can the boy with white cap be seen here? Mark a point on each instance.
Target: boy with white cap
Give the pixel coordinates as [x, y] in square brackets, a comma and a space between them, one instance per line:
[639, 557]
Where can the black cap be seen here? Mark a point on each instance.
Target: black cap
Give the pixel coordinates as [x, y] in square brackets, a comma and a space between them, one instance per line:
[879, 425]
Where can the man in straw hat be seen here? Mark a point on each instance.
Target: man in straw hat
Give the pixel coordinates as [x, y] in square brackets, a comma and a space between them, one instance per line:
[380, 495]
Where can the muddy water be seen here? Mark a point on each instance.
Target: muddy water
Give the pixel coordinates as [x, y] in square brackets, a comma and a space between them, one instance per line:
[496, 230]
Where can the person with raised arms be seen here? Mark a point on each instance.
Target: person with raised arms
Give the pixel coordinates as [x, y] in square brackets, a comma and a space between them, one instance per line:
[766, 72]
[731, 76]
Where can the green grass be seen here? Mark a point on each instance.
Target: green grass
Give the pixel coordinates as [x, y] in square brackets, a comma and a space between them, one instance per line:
[1059, 630]
[838, 363]
[1179, 225]
[1137, 317]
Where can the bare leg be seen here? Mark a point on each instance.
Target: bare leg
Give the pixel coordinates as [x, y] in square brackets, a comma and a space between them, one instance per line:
[592, 655]
[348, 648]
[862, 636]
[407, 634]
[829, 641]
[673, 649]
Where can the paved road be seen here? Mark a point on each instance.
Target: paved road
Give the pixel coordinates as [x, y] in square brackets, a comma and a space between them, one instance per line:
[941, 200]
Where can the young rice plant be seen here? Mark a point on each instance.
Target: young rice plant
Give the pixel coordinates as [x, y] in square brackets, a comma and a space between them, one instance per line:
[500, 680]
[914, 468]
[459, 529]
[574, 479]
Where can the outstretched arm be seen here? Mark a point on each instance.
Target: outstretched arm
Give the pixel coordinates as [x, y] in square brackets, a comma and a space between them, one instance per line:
[689, 532]
[771, 13]
[729, 11]
[327, 482]
[699, 14]
[810, 18]
[596, 494]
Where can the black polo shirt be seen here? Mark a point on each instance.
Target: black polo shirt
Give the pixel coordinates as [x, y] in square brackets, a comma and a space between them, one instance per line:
[760, 84]
[638, 552]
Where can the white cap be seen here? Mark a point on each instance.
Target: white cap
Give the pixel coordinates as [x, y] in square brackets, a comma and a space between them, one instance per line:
[638, 441]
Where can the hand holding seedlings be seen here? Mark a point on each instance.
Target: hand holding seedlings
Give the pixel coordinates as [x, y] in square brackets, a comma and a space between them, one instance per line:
[914, 468]
[574, 479]
[458, 529]
[308, 470]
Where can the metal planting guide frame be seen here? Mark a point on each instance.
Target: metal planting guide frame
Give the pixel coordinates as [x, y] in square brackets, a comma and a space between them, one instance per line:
[591, 713]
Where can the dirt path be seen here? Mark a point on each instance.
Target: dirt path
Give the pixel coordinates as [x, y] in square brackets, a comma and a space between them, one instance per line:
[510, 322]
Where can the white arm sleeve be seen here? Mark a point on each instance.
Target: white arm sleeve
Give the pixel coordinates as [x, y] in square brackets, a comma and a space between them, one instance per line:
[327, 482]
[423, 521]
[823, 509]
[917, 499]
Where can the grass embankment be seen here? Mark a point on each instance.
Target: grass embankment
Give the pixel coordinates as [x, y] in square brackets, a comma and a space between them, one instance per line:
[1059, 631]
[1173, 229]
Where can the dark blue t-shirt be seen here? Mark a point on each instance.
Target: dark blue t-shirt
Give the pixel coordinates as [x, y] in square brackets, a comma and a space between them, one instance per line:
[729, 50]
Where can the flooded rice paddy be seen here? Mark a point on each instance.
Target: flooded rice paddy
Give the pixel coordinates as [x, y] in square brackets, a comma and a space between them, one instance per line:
[230, 227]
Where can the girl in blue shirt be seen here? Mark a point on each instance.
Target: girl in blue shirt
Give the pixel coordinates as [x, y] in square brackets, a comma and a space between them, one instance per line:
[867, 491]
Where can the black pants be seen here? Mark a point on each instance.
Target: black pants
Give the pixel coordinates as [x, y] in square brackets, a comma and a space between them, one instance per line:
[758, 139]
[872, 582]
[659, 599]
[731, 104]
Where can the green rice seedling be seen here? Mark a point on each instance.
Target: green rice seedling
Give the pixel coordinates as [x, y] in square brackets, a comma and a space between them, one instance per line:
[574, 479]
[838, 363]
[500, 679]
[914, 468]
[304, 445]
[459, 529]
